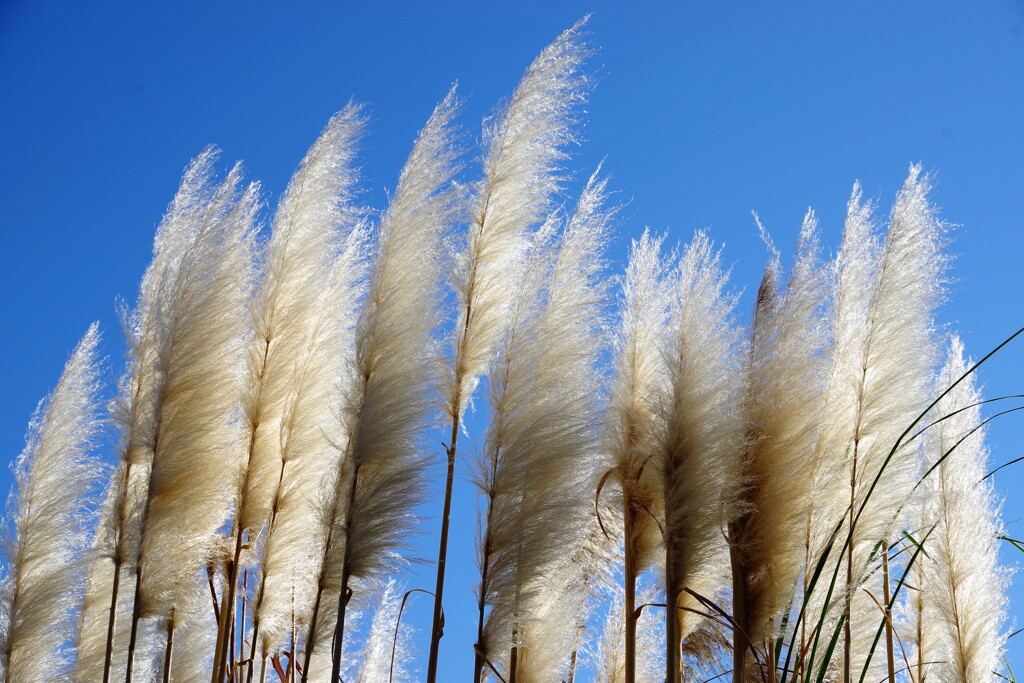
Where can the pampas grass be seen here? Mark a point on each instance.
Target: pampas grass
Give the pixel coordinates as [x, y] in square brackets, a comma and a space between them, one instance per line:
[524, 146]
[299, 361]
[662, 490]
[702, 439]
[546, 450]
[369, 510]
[201, 360]
[634, 420]
[963, 601]
[54, 477]
[785, 397]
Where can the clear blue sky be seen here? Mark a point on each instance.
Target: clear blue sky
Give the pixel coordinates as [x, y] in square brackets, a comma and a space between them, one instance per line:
[703, 113]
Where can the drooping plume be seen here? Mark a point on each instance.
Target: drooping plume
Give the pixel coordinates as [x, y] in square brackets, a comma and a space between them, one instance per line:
[54, 478]
[702, 439]
[964, 592]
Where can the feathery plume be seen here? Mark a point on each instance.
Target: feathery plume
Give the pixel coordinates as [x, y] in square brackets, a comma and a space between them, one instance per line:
[116, 540]
[543, 446]
[299, 365]
[566, 435]
[884, 351]
[54, 477]
[702, 439]
[311, 226]
[787, 372]
[524, 147]
[501, 476]
[380, 480]
[293, 546]
[633, 416]
[91, 645]
[964, 592]
[610, 650]
[195, 446]
[383, 658]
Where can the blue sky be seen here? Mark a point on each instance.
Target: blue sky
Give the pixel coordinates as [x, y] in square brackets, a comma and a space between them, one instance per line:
[702, 114]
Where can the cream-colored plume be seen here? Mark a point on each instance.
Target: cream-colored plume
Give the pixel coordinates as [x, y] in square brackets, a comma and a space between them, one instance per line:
[116, 539]
[314, 220]
[524, 146]
[300, 365]
[964, 592]
[368, 513]
[884, 350]
[542, 448]
[703, 435]
[633, 412]
[196, 447]
[54, 477]
[787, 373]
[381, 648]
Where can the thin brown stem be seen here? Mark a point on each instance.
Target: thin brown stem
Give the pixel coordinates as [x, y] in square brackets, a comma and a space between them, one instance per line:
[111, 620]
[513, 664]
[136, 613]
[241, 607]
[291, 643]
[237, 531]
[629, 584]
[572, 665]
[344, 593]
[740, 642]
[671, 629]
[313, 620]
[169, 648]
[437, 628]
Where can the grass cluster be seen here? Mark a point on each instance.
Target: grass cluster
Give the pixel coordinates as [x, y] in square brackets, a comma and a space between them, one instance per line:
[664, 493]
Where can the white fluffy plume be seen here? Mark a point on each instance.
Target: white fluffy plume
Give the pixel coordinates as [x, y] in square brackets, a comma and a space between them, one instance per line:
[787, 374]
[54, 478]
[542, 444]
[524, 146]
[381, 645]
[634, 418]
[195, 447]
[703, 437]
[314, 220]
[964, 592]
[300, 365]
[116, 540]
[369, 511]
[884, 352]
